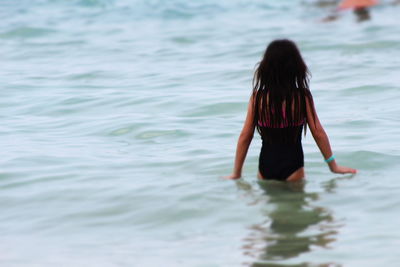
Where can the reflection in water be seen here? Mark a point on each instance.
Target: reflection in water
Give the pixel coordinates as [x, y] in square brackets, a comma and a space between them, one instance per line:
[293, 225]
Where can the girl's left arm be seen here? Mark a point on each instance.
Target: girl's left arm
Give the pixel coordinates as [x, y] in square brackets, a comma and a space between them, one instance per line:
[244, 141]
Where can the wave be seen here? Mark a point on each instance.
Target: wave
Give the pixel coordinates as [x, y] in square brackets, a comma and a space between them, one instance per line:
[26, 32]
[159, 8]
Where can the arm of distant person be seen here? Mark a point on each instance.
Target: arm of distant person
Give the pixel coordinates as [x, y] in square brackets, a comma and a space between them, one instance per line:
[322, 140]
[245, 138]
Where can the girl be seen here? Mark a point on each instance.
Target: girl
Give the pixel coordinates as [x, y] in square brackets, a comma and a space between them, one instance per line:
[280, 107]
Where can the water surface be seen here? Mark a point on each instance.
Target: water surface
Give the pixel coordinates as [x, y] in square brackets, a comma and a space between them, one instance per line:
[120, 117]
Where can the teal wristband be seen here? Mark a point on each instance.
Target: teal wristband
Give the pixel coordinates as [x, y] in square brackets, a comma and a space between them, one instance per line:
[330, 159]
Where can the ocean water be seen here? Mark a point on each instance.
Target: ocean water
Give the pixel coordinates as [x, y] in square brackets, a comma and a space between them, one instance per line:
[118, 119]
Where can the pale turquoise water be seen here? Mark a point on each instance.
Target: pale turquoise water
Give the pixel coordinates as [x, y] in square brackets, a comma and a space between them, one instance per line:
[120, 117]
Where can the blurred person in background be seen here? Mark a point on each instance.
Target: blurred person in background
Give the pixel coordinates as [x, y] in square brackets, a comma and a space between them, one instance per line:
[360, 9]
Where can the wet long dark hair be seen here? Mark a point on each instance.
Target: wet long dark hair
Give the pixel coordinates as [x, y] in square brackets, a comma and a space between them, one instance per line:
[280, 88]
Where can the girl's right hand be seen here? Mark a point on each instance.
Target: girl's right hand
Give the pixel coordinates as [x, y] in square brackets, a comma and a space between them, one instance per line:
[232, 177]
[341, 169]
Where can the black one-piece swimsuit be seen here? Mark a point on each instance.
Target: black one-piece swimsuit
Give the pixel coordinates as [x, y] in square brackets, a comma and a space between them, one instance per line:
[281, 152]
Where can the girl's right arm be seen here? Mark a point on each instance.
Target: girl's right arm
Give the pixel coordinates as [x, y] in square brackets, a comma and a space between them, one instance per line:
[322, 140]
[244, 141]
